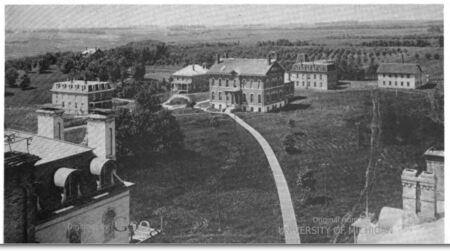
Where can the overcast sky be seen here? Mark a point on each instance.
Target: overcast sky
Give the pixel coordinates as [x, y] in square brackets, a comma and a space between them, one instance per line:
[76, 16]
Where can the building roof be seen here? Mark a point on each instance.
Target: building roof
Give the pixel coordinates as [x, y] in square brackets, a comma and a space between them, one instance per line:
[191, 70]
[79, 86]
[17, 159]
[47, 149]
[242, 66]
[398, 68]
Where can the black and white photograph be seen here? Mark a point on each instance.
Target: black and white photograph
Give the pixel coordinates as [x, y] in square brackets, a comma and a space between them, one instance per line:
[190, 124]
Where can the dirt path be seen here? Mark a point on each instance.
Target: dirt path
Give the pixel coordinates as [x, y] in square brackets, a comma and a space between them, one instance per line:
[291, 235]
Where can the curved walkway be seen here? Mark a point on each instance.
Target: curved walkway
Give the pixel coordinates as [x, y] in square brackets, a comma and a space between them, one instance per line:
[291, 235]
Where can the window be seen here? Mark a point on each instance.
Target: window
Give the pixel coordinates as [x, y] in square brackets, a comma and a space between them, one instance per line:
[314, 84]
[220, 82]
[390, 83]
[395, 83]
[76, 105]
[62, 103]
[59, 130]
[314, 76]
[227, 97]
[401, 83]
[220, 95]
[212, 95]
[303, 83]
[244, 98]
[234, 83]
[212, 82]
[401, 75]
[251, 98]
[407, 83]
[259, 98]
[226, 83]
[320, 76]
[259, 84]
[111, 143]
[407, 75]
[297, 83]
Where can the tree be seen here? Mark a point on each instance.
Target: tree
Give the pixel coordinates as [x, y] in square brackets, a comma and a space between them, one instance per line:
[66, 65]
[23, 80]
[11, 75]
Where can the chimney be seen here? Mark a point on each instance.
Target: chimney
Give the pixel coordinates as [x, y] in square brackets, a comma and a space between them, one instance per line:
[427, 186]
[409, 183]
[217, 58]
[101, 135]
[269, 58]
[50, 123]
[193, 67]
[435, 164]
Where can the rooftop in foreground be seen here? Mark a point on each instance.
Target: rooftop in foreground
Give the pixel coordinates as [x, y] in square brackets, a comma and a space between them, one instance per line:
[47, 149]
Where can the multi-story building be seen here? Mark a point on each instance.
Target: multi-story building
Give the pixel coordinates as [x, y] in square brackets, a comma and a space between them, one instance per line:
[255, 85]
[81, 97]
[315, 75]
[61, 192]
[191, 78]
[399, 75]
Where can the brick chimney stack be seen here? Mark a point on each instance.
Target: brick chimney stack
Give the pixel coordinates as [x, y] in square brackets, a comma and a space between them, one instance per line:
[50, 123]
[101, 135]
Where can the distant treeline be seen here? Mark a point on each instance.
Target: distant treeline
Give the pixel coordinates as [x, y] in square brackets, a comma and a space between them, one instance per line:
[398, 43]
[282, 42]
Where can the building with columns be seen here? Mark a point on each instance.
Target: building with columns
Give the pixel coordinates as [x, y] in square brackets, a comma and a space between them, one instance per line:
[247, 84]
[81, 97]
[191, 78]
[60, 192]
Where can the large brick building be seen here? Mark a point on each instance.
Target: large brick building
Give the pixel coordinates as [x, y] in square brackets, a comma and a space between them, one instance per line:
[81, 97]
[248, 84]
[400, 75]
[191, 78]
[315, 75]
[61, 192]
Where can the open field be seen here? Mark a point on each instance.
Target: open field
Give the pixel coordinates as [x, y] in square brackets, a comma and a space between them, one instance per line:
[21, 104]
[222, 180]
[329, 153]
[28, 43]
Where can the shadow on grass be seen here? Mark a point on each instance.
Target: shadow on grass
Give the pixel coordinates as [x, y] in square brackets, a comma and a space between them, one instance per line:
[297, 98]
[427, 86]
[28, 88]
[292, 107]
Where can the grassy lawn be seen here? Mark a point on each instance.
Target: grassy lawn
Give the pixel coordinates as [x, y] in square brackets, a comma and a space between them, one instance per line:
[220, 189]
[329, 153]
[21, 104]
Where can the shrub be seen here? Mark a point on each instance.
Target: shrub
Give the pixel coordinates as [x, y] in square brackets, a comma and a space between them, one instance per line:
[11, 75]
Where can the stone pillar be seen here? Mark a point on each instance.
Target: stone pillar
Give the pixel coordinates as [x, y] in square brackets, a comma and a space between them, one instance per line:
[435, 165]
[409, 183]
[427, 184]
[50, 123]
